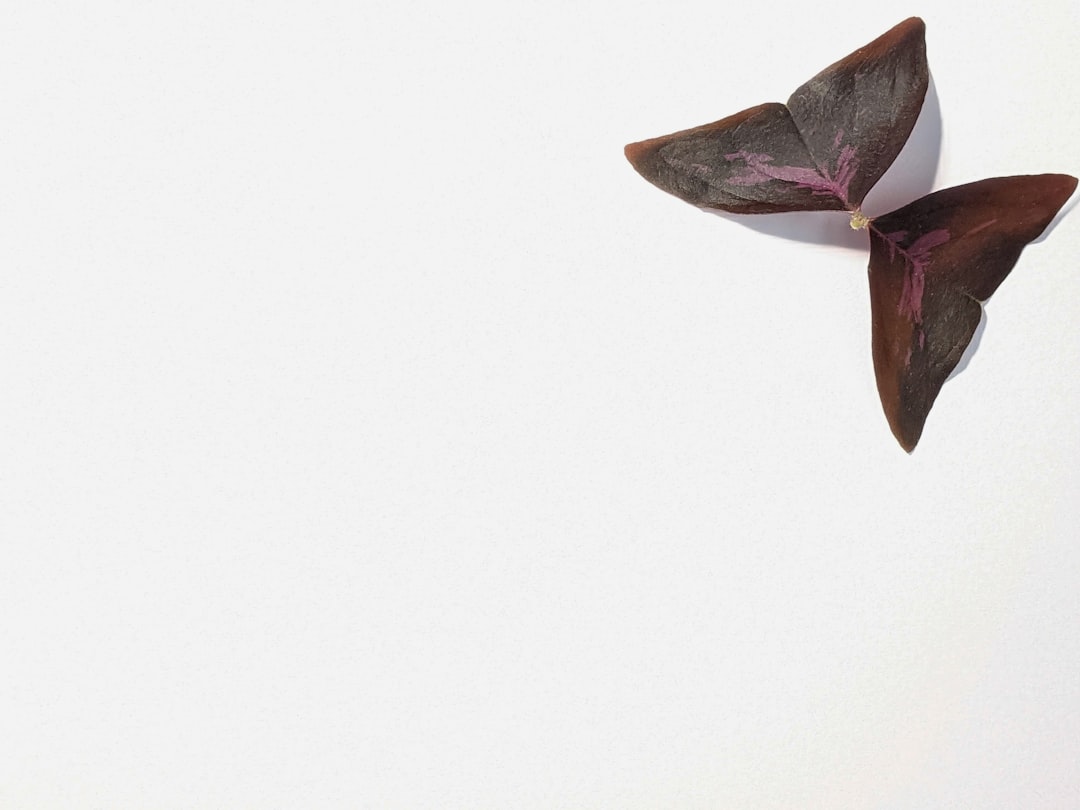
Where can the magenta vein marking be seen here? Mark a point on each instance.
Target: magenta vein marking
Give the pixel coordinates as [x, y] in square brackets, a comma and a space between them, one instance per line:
[760, 169]
[916, 256]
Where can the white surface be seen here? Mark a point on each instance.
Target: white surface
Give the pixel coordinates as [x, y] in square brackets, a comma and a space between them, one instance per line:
[373, 436]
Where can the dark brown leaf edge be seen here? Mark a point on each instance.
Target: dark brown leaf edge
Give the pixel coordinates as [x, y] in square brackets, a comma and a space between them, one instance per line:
[932, 264]
[822, 151]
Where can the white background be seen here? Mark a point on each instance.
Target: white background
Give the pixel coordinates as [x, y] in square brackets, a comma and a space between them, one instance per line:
[373, 436]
